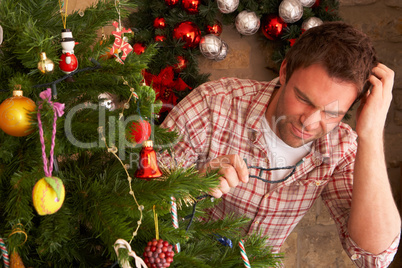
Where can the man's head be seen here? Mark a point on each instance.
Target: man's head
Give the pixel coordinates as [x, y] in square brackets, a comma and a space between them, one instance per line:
[323, 74]
[345, 53]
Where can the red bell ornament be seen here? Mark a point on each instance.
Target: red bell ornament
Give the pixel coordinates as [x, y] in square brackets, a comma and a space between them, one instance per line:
[147, 165]
[272, 26]
[188, 32]
[190, 6]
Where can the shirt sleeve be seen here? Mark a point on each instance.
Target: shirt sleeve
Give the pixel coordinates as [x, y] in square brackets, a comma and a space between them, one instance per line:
[337, 197]
[191, 119]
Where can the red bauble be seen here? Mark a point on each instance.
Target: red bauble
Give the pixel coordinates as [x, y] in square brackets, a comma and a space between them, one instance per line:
[189, 33]
[159, 23]
[316, 4]
[140, 131]
[158, 253]
[138, 48]
[272, 26]
[68, 62]
[171, 2]
[160, 38]
[181, 64]
[215, 29]
[190, 6]
[292, 41]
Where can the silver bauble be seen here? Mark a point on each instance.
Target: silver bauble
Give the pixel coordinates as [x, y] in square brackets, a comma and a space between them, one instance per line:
[247, 22]
[228, 6]
[224, 52]
[210, 46]
[307, 3]
[290, 10]
[310, 23]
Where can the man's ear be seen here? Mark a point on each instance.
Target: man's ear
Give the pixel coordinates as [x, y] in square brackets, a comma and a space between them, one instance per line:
[282, 73]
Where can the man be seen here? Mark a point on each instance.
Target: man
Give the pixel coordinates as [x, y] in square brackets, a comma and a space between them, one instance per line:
[243, 128]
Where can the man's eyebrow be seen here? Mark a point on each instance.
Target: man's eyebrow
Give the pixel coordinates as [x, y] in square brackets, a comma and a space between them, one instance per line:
[302, 95]
[307, 99]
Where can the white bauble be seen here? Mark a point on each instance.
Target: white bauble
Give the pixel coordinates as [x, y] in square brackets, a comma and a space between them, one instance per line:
[210, 46]
[247, 22]
[290, 10]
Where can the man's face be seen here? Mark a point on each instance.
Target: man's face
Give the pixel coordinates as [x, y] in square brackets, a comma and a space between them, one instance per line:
[309, 105]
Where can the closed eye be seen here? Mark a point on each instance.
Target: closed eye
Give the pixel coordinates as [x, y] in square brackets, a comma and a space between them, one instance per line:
[329, 115]
[303, 99]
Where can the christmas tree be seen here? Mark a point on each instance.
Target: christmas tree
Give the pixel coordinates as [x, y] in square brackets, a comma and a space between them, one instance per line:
[75, 183]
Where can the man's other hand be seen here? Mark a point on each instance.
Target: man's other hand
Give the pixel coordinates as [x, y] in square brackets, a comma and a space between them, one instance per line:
[374, 106]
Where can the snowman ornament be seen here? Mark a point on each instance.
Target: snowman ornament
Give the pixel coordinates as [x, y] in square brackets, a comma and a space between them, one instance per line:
[68, 61]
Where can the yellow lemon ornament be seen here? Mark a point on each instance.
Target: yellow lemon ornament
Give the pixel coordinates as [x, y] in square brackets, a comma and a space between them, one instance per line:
[48, 195]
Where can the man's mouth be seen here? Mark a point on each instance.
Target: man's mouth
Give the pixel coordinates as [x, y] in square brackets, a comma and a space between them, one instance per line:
[300, 133]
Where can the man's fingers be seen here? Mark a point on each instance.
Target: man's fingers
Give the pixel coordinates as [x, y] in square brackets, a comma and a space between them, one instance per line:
[223, 188]
[233, 170]
[240, 167]
[363, 101]
[216, 193]
[226, 162]
[376, 90]
[382, 79]
[230, 174]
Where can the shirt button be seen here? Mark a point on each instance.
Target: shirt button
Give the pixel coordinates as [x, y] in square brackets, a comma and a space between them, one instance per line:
[355, 257]
[252, 135]
[317, 183]
[317, 161]
[257, 222]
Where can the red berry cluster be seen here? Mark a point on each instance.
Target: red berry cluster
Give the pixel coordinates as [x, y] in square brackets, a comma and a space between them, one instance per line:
[158, 254]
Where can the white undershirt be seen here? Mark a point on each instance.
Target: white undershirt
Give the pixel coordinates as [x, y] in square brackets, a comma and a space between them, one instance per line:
[280, 154]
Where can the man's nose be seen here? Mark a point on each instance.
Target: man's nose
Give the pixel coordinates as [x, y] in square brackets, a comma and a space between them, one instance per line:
[311, 121]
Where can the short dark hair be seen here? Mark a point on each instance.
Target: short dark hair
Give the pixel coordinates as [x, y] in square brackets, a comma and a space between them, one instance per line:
[345, 52]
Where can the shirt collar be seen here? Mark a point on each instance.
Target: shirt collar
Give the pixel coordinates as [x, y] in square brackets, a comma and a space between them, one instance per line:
[259, 105]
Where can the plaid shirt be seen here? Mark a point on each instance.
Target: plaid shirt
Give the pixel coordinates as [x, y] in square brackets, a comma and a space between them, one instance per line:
[224, 117]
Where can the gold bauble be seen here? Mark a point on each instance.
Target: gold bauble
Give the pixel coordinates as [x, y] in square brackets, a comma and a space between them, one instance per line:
[45, 65]
[14, 115]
